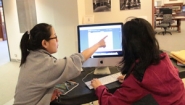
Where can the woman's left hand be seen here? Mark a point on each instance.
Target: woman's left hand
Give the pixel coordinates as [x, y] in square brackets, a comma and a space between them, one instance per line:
[95, 83]
[121, 78]
[56, 94]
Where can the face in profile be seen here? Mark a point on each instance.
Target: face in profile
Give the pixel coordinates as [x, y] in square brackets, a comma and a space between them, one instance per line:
[52, 44]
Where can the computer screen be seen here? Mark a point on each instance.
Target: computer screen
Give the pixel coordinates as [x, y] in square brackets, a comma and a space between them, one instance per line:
[165, 10]
[183, 8]
[111, 55]
[161, 10]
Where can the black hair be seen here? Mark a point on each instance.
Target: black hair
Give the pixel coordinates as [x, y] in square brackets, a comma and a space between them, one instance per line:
[33, 40]
[140, 48]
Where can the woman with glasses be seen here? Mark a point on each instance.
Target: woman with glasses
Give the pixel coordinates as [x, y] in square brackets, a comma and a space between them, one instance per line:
[150, 77]
[40, 71]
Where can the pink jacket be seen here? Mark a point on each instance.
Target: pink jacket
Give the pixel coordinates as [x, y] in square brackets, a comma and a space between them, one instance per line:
[161, 81]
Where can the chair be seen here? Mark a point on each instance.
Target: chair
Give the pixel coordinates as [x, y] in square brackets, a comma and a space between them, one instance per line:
[166, 23]
[146, 100]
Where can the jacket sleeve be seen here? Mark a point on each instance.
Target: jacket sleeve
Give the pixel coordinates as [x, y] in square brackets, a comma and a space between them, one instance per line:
[129, 93]
[61, 70]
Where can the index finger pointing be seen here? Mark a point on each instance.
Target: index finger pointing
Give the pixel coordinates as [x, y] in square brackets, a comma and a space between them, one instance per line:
[105, 37]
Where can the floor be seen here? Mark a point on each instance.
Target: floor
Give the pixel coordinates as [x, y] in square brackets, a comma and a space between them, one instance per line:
[10, 70]
[172, 42]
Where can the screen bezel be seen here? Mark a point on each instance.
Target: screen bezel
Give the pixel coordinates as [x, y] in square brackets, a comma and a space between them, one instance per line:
[102, 24]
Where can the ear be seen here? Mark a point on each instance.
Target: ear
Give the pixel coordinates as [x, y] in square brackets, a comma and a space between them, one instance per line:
[44, 44]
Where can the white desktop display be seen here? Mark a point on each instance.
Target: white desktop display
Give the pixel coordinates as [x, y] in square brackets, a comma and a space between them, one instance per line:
[111, 55]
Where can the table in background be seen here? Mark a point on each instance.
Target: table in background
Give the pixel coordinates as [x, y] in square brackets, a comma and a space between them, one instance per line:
[177, 18]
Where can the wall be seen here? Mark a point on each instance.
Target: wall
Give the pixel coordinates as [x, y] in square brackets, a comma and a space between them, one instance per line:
[81, 10]
[62, 16]
[115, 15]
[11, 21]
[65, 15]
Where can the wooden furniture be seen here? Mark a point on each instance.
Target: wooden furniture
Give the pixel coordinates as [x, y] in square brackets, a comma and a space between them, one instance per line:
[174, 14]
[177, 18]
[1, 29]
[179, 14]
[177, 7]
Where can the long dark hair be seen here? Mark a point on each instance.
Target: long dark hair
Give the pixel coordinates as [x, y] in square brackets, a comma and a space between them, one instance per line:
[33, 40]
[140, 47]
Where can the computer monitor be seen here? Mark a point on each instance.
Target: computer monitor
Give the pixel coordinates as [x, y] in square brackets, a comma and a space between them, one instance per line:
[111, 55]
[161, 10]
[165, 10]
[183, 8]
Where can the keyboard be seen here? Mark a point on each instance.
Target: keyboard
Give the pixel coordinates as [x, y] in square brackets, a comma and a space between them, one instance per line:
[105, 80]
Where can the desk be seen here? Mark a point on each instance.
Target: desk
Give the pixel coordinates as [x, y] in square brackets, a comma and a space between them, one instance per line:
[81, 94]
[179, 14]
[173, 14]
[178, 18]
[160, 15]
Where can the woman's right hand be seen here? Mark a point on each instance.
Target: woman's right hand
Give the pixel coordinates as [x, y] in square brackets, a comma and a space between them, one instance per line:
[102, 42]
[87, 53]
[56, 94]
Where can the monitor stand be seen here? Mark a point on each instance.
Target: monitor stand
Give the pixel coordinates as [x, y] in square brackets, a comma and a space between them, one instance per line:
[102, 71]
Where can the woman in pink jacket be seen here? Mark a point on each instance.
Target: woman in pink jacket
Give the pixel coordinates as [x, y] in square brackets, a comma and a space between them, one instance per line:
[148, 70]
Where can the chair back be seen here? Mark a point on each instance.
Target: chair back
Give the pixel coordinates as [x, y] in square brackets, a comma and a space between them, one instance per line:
[167, 18]
[146, 100]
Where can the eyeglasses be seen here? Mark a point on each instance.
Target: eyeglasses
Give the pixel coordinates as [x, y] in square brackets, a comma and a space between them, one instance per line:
[53, 38]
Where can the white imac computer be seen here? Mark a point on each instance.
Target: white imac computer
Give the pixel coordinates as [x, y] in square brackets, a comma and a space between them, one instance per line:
[111, 55]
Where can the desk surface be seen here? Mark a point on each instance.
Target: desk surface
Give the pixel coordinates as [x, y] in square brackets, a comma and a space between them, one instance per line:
[82, 94]
[174, 17]
[173, 14]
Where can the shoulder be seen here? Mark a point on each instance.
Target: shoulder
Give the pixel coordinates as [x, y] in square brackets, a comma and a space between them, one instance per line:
[40, 55]
[162, 71]
[39, 59]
